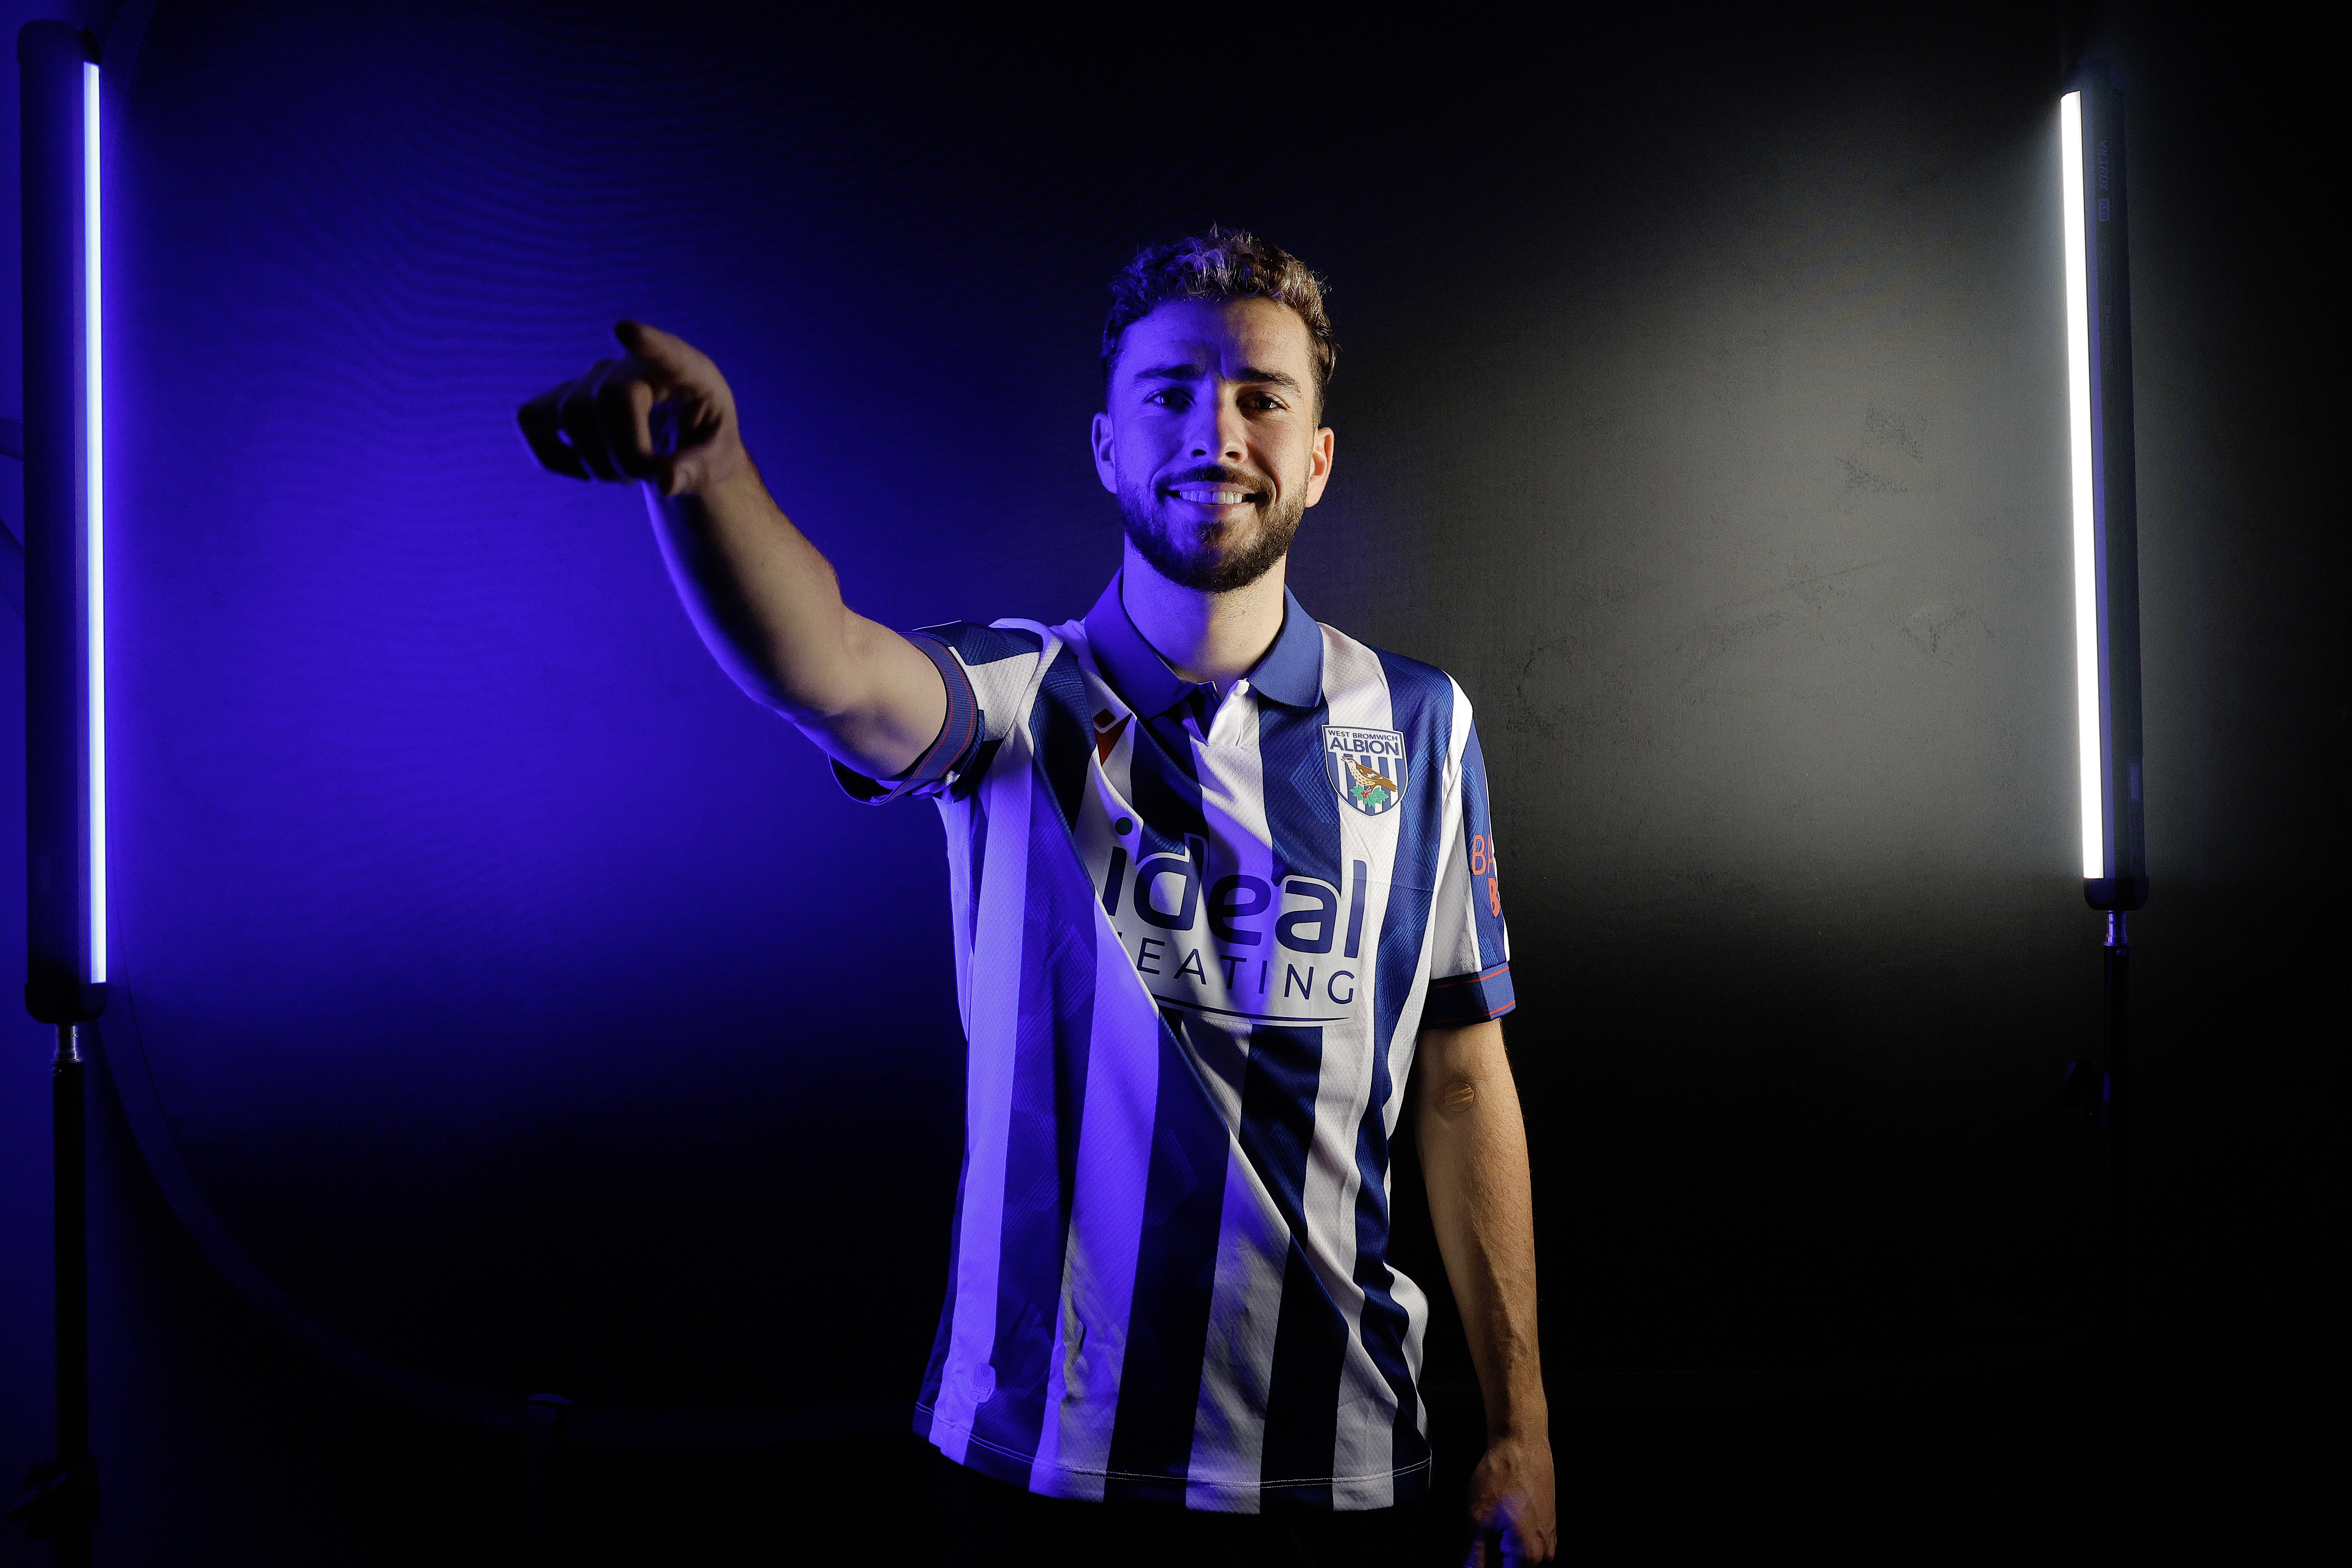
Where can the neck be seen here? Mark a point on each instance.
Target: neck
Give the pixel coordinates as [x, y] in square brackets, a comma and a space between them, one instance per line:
[1216, 637]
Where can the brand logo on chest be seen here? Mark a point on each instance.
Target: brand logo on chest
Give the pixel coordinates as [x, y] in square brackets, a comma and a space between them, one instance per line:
[1366, 766]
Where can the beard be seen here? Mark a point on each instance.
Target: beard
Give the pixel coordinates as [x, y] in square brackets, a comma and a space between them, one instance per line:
[1203, 566]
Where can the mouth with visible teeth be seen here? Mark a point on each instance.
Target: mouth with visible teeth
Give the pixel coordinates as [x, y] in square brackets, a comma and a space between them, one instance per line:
[1212, 490]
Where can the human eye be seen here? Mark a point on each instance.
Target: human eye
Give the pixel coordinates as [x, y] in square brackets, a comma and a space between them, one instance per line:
[1169, 398]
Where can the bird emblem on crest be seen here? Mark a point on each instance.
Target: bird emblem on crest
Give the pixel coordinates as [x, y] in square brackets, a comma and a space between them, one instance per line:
[1369, 787]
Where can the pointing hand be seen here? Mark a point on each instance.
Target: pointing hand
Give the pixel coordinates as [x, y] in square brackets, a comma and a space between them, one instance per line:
[662, 413]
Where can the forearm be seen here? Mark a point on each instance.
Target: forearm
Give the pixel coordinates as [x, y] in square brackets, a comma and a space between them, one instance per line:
[765, 602]
[1473, 1155]
[769, 607]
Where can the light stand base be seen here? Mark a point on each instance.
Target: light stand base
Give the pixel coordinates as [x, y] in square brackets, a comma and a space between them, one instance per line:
[60, 1500]
[2102, 1091]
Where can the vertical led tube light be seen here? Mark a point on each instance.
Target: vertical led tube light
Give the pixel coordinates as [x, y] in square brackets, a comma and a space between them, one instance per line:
[2105, 507]
[64, 698]
[65, 611]
[2083, 493]
[2105, 516]
[94, 351]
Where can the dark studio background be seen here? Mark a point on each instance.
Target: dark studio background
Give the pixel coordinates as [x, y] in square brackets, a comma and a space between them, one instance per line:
[509, 1006]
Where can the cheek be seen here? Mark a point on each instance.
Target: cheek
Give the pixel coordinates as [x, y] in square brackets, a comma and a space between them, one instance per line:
[1293, 462]
[1137, 456]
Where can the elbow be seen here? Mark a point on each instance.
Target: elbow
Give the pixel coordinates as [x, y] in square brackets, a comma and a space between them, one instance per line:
[1453, 1096]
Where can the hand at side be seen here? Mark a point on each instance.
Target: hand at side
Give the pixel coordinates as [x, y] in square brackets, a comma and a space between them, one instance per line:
[1511, 1500]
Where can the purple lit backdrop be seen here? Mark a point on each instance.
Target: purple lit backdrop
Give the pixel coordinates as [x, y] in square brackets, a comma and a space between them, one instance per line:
[521, 995]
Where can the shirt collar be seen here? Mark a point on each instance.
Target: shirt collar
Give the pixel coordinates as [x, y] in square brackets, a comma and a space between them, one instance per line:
[1291, 673]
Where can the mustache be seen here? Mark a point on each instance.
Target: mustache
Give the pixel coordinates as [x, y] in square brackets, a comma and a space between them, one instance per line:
[1217, 474]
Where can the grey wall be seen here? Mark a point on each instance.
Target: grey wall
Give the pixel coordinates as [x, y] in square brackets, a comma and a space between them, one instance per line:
[1700, 410]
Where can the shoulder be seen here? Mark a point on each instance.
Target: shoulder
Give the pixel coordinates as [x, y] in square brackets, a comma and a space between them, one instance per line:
[975, 645]
[1007, 666]
[1419, 694]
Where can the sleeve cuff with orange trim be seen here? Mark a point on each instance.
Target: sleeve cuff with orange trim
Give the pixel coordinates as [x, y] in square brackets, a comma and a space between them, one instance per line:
[1461, 1000]
[956, 735]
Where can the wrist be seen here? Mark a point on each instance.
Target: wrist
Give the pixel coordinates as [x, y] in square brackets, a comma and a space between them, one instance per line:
[721, 477]
[731, 474]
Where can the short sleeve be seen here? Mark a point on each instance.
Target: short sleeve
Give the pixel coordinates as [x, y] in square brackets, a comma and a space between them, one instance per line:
[985, 669]
[1470, 961]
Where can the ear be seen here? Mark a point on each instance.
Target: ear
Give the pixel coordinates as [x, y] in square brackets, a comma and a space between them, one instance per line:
[1106, 462]
[1319, 465]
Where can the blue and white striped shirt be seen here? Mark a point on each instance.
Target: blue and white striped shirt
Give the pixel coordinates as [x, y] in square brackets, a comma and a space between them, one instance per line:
[1195, 942]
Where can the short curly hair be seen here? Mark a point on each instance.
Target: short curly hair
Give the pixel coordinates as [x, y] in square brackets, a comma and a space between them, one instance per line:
[1222, 264]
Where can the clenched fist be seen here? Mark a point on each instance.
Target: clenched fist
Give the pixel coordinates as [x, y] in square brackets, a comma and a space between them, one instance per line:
[662, 413]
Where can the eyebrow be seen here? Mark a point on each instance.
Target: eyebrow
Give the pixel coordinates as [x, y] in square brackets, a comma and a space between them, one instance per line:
[1250, 373]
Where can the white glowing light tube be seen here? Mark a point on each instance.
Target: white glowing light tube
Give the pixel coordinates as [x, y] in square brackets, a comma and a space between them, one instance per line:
[2090, 753]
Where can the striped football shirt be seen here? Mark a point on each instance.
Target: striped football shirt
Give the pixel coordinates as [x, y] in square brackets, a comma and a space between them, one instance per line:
[1195, 939]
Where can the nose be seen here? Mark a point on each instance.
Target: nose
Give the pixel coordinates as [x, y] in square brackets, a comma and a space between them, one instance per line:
[1217, 428]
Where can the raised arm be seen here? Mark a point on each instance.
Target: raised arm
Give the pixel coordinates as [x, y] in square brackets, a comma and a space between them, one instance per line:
[1474, 1155]
[767, 603]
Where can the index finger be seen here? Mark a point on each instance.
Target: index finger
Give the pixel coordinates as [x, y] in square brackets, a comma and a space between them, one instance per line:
[669, 359]
[542, 431]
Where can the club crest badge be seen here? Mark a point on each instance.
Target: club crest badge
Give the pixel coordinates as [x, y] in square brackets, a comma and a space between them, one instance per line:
[1366, 766]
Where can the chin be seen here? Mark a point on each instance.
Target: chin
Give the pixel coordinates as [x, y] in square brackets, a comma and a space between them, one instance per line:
[1217, 559]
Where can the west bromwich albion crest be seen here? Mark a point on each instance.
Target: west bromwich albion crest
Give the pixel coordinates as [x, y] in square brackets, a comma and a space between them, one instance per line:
[1366, 766]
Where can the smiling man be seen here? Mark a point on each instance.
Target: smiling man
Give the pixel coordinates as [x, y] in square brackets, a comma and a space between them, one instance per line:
[1221, 876]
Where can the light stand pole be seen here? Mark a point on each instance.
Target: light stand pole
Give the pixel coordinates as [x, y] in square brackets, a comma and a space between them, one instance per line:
[2106, 660]
[65, 694]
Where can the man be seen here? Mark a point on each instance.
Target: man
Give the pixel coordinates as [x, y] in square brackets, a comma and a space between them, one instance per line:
[1220, 877]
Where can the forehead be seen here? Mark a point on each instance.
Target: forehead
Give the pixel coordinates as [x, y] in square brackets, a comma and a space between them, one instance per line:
[1222, 336]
